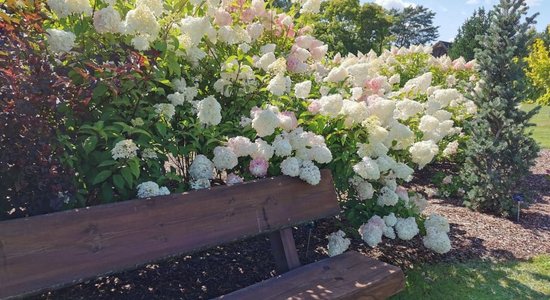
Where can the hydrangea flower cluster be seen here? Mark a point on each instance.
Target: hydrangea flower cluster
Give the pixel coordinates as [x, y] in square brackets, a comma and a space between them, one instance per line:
[337, 244]
[151, 189]
[298, 108]
[124, 149]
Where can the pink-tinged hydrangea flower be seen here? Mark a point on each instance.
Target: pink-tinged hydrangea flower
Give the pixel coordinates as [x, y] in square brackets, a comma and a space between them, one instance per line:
[372, 231]
[222, 18]
[314, 107]
[287, 120]
[258, 167]
[233, 179]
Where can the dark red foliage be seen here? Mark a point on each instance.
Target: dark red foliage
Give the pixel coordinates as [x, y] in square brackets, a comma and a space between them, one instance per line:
[31, 176]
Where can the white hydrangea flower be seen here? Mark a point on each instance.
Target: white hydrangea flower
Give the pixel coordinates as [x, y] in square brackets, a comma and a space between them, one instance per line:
[194, 28]
[389, 232]
[437, 241]
[176, 98]
[438, 223]
[291, 166]
[445, 96]
[331, 105]
[402, 171]
[302, 89]
[265, 122]
[372, 149]
[367, 168]
[282, 146]
[199, 184]
[310, 173]
[385, 163]
[165, 110]
[64, 8]
[321, 154]
[372, 231]
[364, 189]
[311, 6]
[124, 149]
[407, 108]
[406, 228]
[383, 109]
[336, 75]
[423, 152]
[209, 111]
[390, 220]
[142, 21]
[141, 42]
[387, 197]
[151, 189]
[277, 85]
[355, 112]
[337, 244]
[224, 158]
[60, 41]
[241, 146]
[156, 6]
[149, 153]
[262, 150]
[108, 20]
[266, 60]
[201, 168]
[419, 84]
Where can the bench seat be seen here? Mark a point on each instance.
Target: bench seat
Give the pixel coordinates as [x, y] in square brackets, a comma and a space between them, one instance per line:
[347, 276]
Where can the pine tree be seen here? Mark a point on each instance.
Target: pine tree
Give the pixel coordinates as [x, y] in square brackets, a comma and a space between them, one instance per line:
[500, 152]
[466, 42]
[414, 26]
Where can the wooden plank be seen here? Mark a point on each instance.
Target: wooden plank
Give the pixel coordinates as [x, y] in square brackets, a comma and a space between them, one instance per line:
[60, 248]
[347, 276]
[284, 249]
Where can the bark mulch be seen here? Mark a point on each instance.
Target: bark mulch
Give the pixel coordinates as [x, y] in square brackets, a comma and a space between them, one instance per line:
[223, 269]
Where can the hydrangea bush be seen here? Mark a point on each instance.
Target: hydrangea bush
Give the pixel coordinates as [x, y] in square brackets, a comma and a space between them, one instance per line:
[190, 94]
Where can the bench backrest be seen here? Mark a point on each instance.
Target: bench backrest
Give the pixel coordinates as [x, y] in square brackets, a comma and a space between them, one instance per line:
[67, 247]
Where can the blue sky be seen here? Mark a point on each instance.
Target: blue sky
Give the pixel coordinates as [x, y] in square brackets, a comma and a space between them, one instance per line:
[450, 14]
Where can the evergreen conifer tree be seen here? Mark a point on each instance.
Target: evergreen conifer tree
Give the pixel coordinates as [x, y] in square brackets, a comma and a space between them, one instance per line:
[500, 151]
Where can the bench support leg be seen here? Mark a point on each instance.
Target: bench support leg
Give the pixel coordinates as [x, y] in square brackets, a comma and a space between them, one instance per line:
[284, 250]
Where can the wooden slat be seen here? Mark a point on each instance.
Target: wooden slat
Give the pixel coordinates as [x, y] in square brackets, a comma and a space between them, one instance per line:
[55, 249]
[284, 249]
[347, 276]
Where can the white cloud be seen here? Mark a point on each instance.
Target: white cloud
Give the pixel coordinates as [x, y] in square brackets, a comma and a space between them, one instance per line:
[472, 2]
[393, 4]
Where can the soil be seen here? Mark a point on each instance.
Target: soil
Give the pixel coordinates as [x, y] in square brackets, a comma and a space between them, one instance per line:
[223, 269]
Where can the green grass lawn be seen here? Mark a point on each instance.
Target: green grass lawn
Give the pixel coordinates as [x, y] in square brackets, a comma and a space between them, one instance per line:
[541, 132]
[480, 280]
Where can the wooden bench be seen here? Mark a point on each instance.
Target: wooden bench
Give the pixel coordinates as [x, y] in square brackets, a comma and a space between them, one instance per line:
[50, 251]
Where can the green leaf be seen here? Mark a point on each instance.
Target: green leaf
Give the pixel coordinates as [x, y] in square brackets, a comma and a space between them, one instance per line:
[102, 176]
[106, 193]
[119, 182]
[127, 174]
[107, 163]
[99, 91]
[134, 167]
[161, 128]
[89, 144]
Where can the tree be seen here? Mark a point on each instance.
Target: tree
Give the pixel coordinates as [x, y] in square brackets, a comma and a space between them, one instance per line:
[349, 27]
[499, 152]
[538, 71]
[413, 26]
[466, 42]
